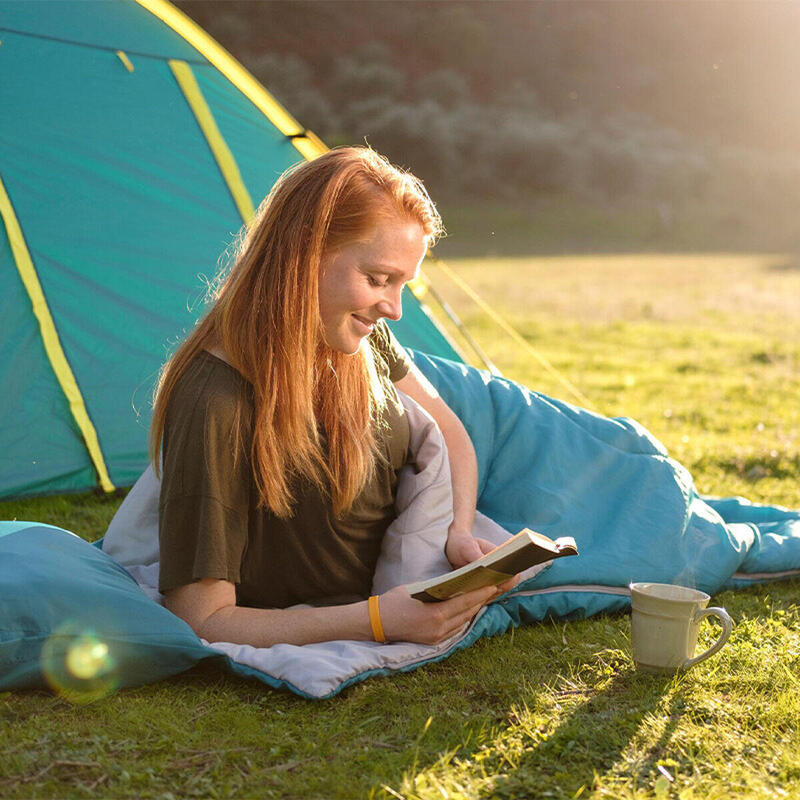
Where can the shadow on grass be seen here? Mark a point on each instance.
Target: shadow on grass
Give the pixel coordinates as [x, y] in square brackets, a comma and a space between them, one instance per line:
[761, 600]
[593, 738]
[591, 735]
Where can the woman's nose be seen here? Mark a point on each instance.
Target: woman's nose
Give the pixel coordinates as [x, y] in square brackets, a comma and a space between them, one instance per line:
[391, 306]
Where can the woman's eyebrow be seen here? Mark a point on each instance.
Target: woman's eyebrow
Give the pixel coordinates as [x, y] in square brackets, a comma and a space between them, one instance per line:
[387, 268]
[391, 272]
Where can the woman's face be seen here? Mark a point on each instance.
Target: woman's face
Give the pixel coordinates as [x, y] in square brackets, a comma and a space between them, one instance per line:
[361, 282]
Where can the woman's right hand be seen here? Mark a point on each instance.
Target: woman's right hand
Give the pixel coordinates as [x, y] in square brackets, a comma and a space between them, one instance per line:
[405, 619]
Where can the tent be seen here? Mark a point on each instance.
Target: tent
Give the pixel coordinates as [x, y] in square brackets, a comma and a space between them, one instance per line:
[132, 148]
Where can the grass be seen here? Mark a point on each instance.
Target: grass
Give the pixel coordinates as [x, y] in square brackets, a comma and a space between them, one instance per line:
[704, 350]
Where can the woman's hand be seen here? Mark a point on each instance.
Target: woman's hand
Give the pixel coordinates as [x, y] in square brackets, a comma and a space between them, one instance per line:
[464, 548]
[405, 619]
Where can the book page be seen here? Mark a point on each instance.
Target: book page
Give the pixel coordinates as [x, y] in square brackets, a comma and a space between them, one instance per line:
[481, 576]
[540, 538]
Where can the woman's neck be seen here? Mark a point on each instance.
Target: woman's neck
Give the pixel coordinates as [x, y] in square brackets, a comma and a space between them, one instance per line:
[219, 353]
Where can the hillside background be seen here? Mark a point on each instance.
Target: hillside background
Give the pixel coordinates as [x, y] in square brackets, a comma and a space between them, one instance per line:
[561, 126]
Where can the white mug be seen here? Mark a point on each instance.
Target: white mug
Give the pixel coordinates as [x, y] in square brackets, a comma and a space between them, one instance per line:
[664, 623]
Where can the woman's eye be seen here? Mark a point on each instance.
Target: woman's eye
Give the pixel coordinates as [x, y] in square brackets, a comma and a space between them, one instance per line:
[373, 281]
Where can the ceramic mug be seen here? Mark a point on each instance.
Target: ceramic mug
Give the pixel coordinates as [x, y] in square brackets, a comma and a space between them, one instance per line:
[664, 625]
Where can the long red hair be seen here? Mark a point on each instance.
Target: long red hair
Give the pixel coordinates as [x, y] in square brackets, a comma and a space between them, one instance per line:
[265, 316]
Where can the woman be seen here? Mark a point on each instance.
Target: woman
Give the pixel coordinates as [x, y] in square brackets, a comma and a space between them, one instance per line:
[279, 429]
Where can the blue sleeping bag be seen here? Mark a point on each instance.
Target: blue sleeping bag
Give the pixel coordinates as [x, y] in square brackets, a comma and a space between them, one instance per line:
[543, 464]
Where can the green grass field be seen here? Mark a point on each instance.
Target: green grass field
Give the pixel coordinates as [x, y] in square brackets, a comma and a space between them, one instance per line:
[703, 350]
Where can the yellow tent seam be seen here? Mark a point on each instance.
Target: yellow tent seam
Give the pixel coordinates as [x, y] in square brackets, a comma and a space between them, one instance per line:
[52, 344]
[309, 145]
[514, 334]
[305, 141]
[222, 153]
[123, 57]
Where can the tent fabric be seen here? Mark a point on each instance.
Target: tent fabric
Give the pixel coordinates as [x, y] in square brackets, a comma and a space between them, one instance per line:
[126, 215]
[545, 464]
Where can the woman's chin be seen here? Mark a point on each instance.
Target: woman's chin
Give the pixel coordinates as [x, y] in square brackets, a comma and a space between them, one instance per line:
[348, 345]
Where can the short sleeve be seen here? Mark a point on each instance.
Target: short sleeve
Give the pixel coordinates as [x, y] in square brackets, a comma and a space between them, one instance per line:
[391, 351]
[205, 484]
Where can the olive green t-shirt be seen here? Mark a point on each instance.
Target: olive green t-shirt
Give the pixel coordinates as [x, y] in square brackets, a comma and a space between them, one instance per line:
[210, 525]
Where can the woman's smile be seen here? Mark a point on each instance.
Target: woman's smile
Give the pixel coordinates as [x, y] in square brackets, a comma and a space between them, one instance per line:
[361, 283]
[366, 324]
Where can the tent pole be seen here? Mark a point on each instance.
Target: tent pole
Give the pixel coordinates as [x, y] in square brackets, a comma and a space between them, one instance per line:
[446, 307]
[513, 333]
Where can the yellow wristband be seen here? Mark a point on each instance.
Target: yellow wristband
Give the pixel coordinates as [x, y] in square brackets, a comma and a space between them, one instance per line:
[375, 619]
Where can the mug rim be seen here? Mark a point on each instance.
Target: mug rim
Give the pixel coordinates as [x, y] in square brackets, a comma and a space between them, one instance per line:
[638, 586]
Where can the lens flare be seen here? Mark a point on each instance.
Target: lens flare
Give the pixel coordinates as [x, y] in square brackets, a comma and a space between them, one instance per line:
[87, 658]
[78, 665]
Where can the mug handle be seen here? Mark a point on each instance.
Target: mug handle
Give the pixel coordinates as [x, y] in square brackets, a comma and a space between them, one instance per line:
[727, 626]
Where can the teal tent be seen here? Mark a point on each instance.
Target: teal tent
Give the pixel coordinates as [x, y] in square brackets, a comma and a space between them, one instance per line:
[132, 148]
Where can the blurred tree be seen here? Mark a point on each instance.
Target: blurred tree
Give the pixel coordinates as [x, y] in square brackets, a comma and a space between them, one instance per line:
[446, 87]
[367, 72]
[714, 70]
[671, 103]
[292, 82]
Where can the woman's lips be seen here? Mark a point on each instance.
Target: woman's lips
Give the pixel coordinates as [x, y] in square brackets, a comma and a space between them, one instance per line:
[366, 324]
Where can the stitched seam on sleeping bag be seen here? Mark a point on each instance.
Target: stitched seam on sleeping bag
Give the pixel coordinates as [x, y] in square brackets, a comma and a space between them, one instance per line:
[585, 588]
[756, 576]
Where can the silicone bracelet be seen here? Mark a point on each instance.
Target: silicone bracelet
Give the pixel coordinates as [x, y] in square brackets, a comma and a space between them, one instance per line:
[375, 619]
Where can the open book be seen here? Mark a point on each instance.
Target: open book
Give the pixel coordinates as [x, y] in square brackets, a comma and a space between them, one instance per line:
[517, 554]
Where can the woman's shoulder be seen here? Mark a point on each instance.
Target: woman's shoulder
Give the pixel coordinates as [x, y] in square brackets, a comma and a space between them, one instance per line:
[210, 386]
[208, 423]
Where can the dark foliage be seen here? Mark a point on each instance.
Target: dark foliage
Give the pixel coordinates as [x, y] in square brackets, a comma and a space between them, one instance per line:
[673, 104]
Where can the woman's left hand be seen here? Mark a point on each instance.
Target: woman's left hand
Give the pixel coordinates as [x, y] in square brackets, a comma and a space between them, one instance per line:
[463, 549]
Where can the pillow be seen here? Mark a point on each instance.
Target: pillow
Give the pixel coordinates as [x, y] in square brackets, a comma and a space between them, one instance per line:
[74, 620]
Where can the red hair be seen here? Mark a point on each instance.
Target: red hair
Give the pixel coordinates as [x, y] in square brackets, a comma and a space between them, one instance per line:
[265, 316]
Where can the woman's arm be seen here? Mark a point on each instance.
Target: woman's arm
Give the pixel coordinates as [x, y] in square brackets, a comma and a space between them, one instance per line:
[461, 547]
[209, 607]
